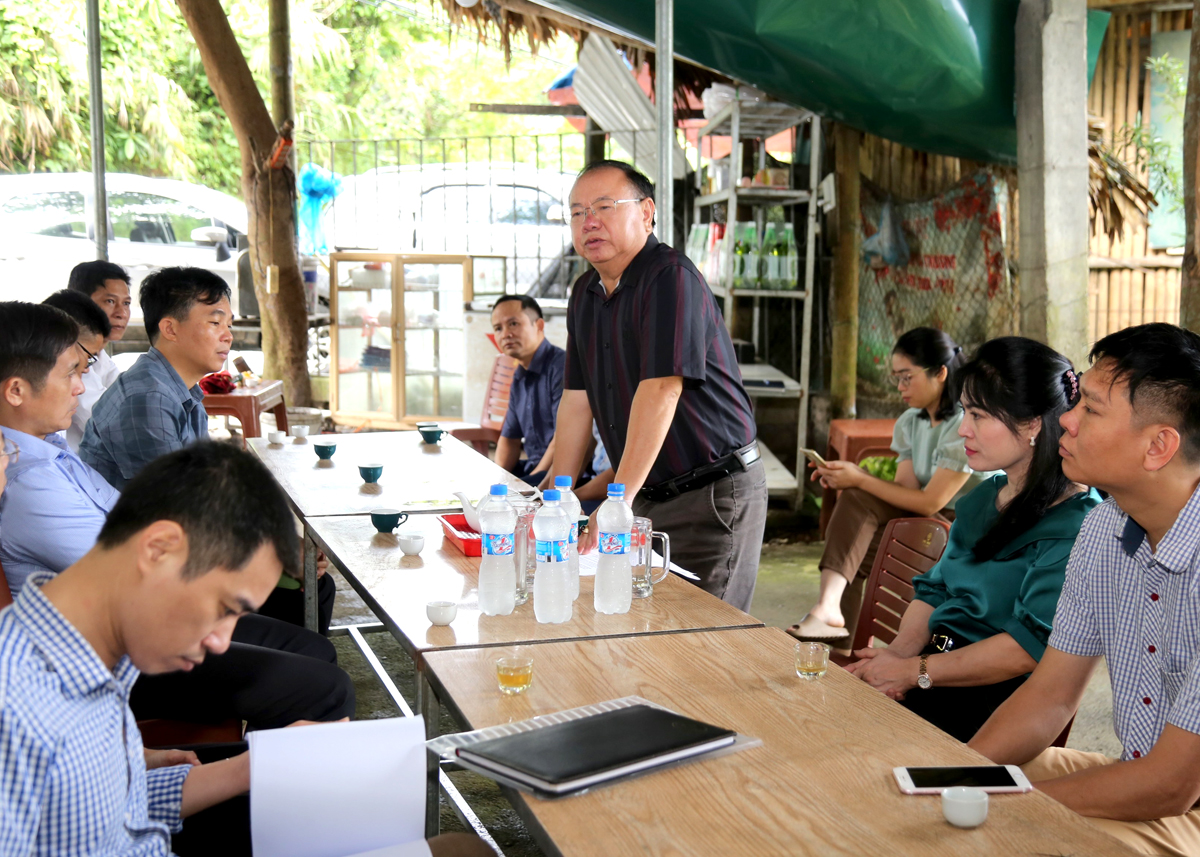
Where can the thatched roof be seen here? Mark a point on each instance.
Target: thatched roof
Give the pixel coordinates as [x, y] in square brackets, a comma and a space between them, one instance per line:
[509, 20]
[1114, 189]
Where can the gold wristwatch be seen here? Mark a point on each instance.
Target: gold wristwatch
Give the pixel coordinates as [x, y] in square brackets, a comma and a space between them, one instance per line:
[923, 680]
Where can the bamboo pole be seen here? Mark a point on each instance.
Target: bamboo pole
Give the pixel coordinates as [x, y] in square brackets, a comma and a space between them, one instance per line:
[844, 376]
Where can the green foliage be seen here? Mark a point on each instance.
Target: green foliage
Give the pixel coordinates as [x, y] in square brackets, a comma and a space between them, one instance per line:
[362, 71]
[1152, 151]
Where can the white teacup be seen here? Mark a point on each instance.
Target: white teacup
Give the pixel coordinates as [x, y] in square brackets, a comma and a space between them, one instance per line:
[964, 806]
[298, 431]
[411, 543]
[276, 437]
[441, 612]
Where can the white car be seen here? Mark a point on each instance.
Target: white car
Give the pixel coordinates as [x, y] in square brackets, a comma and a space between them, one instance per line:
[484, 209]
[46, 228]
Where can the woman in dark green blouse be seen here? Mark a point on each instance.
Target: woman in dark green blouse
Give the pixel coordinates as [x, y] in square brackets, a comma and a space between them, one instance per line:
[981, 617]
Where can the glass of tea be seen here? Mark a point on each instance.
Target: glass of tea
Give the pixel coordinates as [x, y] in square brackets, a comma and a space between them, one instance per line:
[812, 660]
[514, 675]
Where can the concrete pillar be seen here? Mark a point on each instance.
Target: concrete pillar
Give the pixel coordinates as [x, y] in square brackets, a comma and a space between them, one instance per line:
[1052, 166]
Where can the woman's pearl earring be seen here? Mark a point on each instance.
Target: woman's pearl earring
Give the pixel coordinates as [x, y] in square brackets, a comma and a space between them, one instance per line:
[1033, 440]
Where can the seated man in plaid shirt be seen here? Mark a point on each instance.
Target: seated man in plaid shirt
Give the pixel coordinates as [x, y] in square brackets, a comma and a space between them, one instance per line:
[1132, 595]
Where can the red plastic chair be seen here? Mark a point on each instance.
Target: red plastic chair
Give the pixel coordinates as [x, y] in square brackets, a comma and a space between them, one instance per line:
[495, 406]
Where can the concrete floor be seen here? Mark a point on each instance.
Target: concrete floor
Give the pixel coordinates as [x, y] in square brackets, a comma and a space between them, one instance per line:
[787, 584]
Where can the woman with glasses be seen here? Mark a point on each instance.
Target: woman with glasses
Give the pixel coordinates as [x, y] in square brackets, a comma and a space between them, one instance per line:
[931, 474]
[981, 617]
[94, 330]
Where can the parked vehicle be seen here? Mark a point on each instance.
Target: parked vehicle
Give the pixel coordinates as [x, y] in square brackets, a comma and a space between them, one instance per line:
[46, 228]
[487, 209]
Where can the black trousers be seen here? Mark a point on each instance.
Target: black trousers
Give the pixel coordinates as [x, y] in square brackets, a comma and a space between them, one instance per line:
[273, 674]
[960, 711]
[222, 829]
[287, 605]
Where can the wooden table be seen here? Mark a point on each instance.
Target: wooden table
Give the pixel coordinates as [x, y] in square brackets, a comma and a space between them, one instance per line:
[397, 588]
[417, 476]
[848, 439]
[248, 404]
[820, 784]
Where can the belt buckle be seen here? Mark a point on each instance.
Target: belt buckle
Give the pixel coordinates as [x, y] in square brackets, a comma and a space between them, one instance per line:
[942, 642]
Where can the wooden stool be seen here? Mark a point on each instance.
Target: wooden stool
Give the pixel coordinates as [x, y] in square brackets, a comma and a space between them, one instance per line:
[847, 440]
[248, 405]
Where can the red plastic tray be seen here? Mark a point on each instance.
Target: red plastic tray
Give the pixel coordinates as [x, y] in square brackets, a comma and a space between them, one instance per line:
[461, 535]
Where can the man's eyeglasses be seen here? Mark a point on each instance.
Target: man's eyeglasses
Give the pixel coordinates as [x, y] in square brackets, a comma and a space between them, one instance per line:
[602, 208]
[10, 451]
[92, 358]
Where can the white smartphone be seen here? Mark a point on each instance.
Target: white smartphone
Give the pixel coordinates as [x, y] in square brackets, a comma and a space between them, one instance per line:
[999, 779]
[815, 457]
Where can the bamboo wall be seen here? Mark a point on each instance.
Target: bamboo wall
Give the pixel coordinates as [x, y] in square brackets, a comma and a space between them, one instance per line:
[1128, 283]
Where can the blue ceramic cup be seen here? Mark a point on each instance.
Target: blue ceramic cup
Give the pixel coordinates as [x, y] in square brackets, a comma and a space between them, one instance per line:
[432, 435]
[386, 520]
[324, 449]
[370, 472]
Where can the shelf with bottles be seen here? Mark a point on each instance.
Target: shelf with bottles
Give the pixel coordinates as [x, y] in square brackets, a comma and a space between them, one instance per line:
[748, 261]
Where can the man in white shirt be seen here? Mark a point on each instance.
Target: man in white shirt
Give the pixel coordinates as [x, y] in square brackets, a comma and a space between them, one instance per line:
[94, 330]
[107, 285]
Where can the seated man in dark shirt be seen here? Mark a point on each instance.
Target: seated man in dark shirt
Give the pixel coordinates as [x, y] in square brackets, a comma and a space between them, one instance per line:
[537, 386]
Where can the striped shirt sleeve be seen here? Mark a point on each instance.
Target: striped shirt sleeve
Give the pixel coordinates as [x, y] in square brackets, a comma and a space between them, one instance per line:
[1076, 631]
[164, 795]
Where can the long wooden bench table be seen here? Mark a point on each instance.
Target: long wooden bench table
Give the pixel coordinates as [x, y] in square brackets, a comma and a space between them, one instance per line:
[820, 784]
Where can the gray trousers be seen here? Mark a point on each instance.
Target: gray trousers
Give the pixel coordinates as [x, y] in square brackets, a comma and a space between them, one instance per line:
[717, 531]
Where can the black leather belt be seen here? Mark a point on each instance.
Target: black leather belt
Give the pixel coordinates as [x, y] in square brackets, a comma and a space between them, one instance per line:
[735, 462]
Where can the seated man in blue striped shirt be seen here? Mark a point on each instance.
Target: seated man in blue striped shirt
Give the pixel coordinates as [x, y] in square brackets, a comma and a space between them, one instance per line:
[1132, 596]
[157, 406]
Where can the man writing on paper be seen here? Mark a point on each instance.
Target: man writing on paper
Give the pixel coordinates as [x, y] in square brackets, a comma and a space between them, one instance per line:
[197, 540]
[649, 356]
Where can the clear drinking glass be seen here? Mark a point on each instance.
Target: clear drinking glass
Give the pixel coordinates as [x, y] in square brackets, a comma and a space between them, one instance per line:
[526, 552]
[514, 675]
[812, 660]
[641, 541]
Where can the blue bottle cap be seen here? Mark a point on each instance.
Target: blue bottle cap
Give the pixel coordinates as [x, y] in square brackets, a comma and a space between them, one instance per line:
[563, 482]
[499, 490]
[550, 495]
[616, 489]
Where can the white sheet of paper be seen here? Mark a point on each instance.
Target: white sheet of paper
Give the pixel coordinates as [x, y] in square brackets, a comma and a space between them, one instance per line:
[337, 788]
[589, 561]
[420, 848]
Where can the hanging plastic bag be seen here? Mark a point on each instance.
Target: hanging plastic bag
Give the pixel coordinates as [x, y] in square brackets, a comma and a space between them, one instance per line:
[887, 247]
[317, 187]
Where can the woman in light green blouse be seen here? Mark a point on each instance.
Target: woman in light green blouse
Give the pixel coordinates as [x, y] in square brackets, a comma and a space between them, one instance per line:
[931, 474]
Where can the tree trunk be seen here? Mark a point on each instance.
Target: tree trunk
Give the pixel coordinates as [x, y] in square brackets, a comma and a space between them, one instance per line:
[1189, 295]
[269, 195]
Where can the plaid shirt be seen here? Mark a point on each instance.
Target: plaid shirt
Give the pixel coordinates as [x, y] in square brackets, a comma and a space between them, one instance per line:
[1141, 610]
[146, 413]
[72, 776]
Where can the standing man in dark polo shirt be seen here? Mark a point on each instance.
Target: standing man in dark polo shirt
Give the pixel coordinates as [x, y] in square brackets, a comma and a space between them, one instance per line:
[520, 331]
[648, 354]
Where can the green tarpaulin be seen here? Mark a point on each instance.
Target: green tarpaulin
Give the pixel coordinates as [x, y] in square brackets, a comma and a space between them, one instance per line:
[936, 75]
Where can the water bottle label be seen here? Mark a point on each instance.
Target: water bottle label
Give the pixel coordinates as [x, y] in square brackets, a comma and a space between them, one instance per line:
[553, 550]
[574, 537]
[498, 544]
[614, 543]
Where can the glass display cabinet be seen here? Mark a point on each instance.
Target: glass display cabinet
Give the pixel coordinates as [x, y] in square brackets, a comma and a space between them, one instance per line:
[397, 348]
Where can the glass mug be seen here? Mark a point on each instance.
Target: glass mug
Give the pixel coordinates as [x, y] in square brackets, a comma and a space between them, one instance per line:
[526, 552]
[641, 541]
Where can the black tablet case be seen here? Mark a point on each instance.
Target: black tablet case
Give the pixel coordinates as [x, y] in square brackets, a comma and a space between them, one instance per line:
[602, 742]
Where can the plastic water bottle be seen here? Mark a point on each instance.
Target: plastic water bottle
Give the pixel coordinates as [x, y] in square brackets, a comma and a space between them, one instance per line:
[614, 573]
[551, 584]
[571, 503]
[497, 566]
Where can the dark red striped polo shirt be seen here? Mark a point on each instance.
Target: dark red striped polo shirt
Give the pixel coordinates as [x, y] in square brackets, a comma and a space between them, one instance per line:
[662, 320]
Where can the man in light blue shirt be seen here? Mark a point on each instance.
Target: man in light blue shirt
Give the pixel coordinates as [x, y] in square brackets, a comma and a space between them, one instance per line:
[1132, 596]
